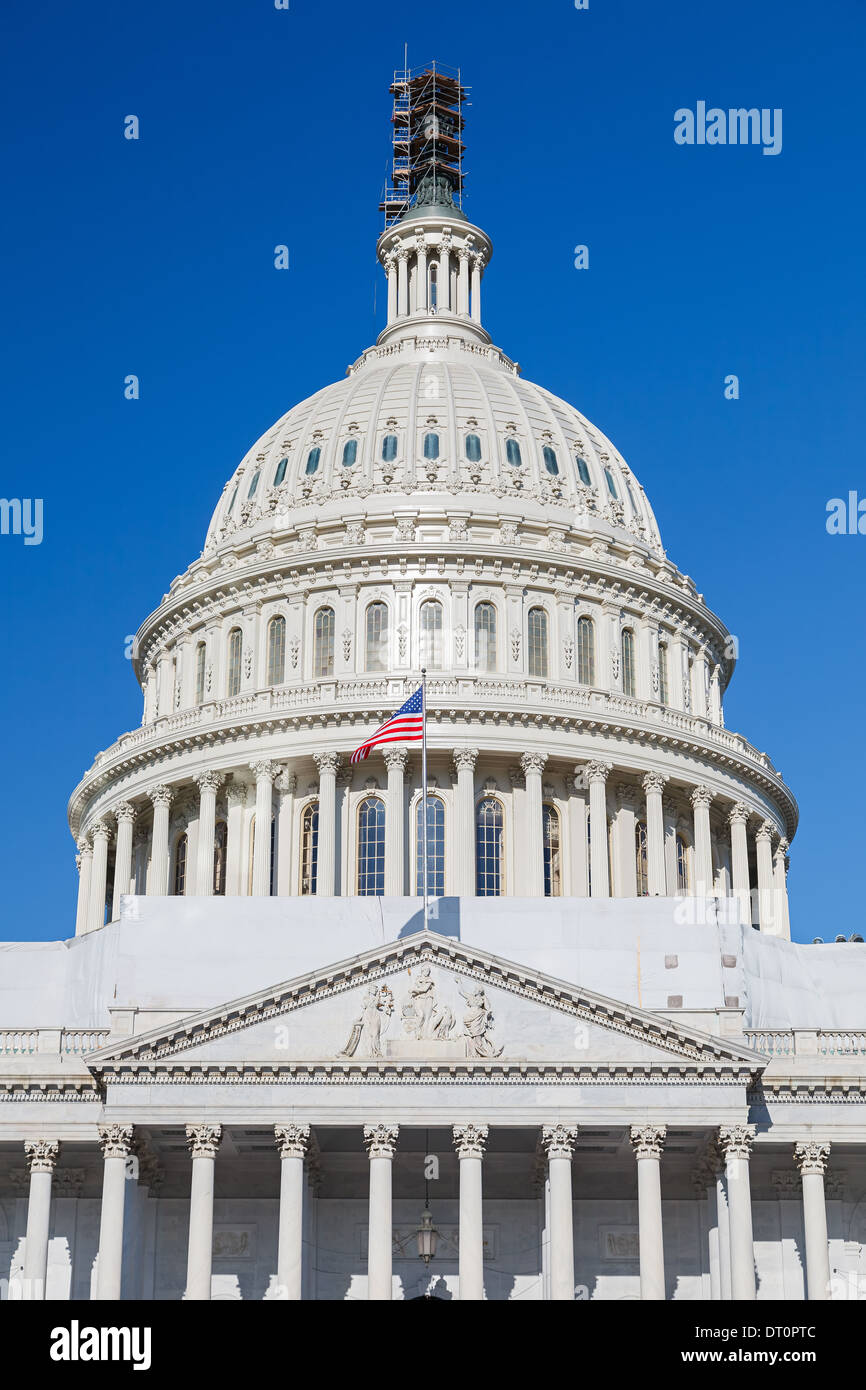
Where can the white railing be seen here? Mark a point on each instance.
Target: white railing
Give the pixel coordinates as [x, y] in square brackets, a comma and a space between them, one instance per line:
[842, 1044]
[16, 1042]
[27, 1042]
[772, 1043]
[807, 1042]
[83, 1040]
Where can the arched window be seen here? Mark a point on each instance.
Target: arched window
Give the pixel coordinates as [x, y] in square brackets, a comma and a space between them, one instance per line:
[585, 650]
[179, 887]
[309, 848]
[200, 662]
[536, 643]
[276, 650]
[434, 285]
[551, 845]
[551, 462]
[641, 862]
[431, 635]
[489, 856]
[435, 847]
[371, 847]
[350, 452]
[389, 448]
[683, 878]
[583, 471]
[220, 849]
[233, 684]
[376, 639]
[232, 502]
[512, 451]
[313, 460]
[323, 642]
[485, 637]
[281, 471]
[431, 446]
[254, 484]
[473, 448]
[664, 688]
[611, 485]
[628, 662]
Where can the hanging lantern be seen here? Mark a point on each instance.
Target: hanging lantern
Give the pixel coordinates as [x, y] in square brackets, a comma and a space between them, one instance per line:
[427, 1237]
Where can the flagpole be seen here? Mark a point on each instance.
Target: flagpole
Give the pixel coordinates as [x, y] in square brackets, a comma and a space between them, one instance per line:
[424, 788]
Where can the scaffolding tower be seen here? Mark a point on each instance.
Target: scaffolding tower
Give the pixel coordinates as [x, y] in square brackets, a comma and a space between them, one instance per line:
[427, 120]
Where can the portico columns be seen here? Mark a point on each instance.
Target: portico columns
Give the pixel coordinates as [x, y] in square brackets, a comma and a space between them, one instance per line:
[157, 884]
[764, 856]
[558, 1142]
[42, 1155]
[264, 773]
[701, 798]
[85, 860]
[811, 1159]
[203, 1140]
[326, 863]
[395, 761]
[470, 1142]
[116, 1144]
[208, 784]
[737, 819]
[380, 1142]
[464, 859]
[724, 1235]
[125, 816]
[648, 1142]
[100, 834]
[596, 775]
[654, 785]
[533, 767]
[735, 1142]
[292, 1142]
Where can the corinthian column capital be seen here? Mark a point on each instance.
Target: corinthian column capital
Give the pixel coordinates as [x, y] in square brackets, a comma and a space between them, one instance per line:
[558, 1141]
[533, 762]
[265, 767]
[654, 782]
[124, 811]
[735, 1141]
[292, 1140]
[470, 1141]
[41, 1154]
[598, 771]
[648, 1141]
[209, 781]
[465, 759]
[739, 814]
[396, 758]
[701, 796]
[811, 1157]
[327, 762]
[204, 1140]
[115, 1140]
[161, 795]
[380, 1141]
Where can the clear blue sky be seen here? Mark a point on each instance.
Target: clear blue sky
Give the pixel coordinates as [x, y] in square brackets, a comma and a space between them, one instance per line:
[260, 127]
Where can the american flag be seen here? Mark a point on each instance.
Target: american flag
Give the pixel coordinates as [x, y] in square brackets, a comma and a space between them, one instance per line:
[406, 726]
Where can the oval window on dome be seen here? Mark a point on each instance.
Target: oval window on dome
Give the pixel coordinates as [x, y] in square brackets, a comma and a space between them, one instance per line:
[611, 485]
[232, 502]
[512, 452]
[281, 471]
[583, 470]
[389, 448]
[431, 446]
[313, 460]
[473, 448]
[254, 484]
[550, 460]
[350, 452]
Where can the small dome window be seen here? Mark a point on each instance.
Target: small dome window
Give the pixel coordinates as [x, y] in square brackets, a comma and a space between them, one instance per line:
[281, 471]
[254, 484]
[350, 452]
[389, 448]
[631, 497]
[512, 452]
[611, 485]
[473, 448]
[431, 446]
[232, 502]
[313, 460]
[550, 461]
[583, 470]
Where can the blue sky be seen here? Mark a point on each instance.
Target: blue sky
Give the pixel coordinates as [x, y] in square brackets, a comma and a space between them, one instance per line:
[261, 127]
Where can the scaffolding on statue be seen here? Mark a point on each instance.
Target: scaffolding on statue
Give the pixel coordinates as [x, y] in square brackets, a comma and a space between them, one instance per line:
[427, 120]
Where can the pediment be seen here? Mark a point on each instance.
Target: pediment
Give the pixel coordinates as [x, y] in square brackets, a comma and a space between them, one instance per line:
[425, 1002]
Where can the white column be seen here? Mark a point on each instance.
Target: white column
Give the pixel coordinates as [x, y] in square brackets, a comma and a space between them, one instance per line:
[100, 833]
[236, 798]
[577, 813]
[735, 1142]
[208, 784]
[764, 856]
[780, 893]
[463, 282]
[116, 1144]
[477, 264]
[292, 1142]
[737, 819]
[287, 785]
[533, 767]
[464, 839]
[724, 1236]
[402, 282]
[654, 785]
[713, 1238]
[811, 1159]
[380, 1142]
[670, 811]
[421, 276]
[558, 1142]
[648, 1142]
[326, 863]
[203, 1140]
[84, 859]
[596, 773]
[625, 859]
[701, 798]
[42, 1155]
[125, 816]
[470, 1142]
[444, 281]
[264, 773]
[391, 268]
[395, 853]
[157, 884]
